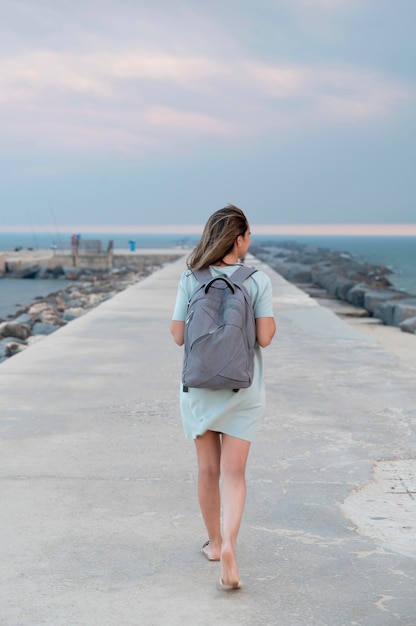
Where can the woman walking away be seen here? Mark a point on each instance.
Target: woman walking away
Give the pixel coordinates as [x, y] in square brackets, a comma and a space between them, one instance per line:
[223, 422]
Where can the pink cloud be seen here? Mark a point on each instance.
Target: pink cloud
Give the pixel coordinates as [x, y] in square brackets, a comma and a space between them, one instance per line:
[337, 229]
[165, 116]
[375, 230]
[121, 101]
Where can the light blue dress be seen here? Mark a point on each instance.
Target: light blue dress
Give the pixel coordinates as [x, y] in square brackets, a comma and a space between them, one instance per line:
[223, 410]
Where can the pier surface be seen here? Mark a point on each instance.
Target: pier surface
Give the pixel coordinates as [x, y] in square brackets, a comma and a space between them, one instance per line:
[99, 514]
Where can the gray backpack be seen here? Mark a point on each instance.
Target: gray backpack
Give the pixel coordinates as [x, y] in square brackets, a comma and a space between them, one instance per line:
[220, 333]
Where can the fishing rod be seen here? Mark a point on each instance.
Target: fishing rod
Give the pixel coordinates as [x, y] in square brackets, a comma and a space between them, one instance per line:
[33, 231]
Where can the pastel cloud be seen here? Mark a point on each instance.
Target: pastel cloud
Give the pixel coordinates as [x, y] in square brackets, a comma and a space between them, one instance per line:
[135, 102]
[331, 92]
[164, 116]
[322, 4]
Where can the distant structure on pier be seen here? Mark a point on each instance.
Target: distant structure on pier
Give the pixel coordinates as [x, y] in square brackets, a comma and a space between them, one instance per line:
[87, 246]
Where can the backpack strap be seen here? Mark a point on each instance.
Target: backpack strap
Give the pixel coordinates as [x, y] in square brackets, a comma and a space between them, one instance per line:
[202, 276]
[242, 273]
[239, 276]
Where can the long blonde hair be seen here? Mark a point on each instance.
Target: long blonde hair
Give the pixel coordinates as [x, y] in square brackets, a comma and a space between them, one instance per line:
[218, 237]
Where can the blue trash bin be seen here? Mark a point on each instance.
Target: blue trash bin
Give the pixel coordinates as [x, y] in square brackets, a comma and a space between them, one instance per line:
[132, 245]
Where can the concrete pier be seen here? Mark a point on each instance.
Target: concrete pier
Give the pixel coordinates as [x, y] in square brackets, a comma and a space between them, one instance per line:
[99, 514]
[23, 262]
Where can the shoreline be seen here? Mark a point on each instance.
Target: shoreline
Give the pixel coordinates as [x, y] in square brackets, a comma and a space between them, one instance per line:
[390, 337]
[360, 286]
[85, 291]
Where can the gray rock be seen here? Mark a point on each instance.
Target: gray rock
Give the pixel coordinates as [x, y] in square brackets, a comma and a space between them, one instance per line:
[38, 307]
[104, 288]
[50, 316]
[375, 297]
[409, 325]
[121, 285]
[321, 277]
[9, 346]
[403, 310]
[28, 271]
[74, 302]
[13, 347]
[74, 291]
[342, 286]
[394, 312]
[14, 329]
[3, 347]
[356, 295]
[335, 284]
[77, 311]
[24, 318]
[94, 299]
[295, 272]
[68, 316]
[62, 297]
[41, 328]
[385, 312]
[53, 272]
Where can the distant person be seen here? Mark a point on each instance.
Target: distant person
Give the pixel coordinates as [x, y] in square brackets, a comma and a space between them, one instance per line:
[221, 422]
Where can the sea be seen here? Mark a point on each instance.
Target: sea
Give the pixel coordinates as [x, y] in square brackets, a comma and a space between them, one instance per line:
[396, 253]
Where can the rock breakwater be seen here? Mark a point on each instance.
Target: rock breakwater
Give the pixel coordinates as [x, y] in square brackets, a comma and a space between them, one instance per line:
[86, 290]
[344, 277]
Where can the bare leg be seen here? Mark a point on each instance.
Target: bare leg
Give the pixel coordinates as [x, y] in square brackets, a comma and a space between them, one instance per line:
[234, 453]
[208, 450]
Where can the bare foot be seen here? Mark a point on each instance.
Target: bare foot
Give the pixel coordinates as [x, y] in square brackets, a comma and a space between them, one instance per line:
[211, 551]
[229, 570]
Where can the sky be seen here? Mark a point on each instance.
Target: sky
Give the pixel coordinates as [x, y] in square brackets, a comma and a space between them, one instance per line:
[131, 113]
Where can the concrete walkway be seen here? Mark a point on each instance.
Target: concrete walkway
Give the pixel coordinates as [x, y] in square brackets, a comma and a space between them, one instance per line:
[99, 517]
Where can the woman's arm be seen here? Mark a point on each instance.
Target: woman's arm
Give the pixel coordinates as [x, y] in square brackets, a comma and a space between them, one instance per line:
[177, 330]
[265, 330]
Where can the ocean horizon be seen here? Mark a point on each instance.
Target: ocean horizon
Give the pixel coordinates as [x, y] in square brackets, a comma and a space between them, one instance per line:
[398, 253]
[330, 229]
